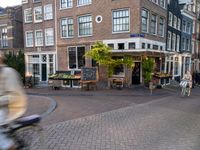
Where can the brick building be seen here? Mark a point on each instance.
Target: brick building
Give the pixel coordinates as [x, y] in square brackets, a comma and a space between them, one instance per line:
[11, 29]
[129, 27]
[39, 37]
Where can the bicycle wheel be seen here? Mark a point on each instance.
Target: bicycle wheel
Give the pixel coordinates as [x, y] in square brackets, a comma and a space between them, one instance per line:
[183, 91]
[28, 138]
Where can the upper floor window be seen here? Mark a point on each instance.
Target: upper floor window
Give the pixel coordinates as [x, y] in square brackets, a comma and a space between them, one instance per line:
[83, 2]
[161, 27]
[66, 4]
[29, 39]
[67, 27]
[179, 24]
[153, 25]
[169, 40]
[184, 26]
[38, 38]
[48, 12]
[188, 27]
[38, 14]
[24, 1]
[162, 3]
[145, 20]
[121, 20]
[85, 25]
[175, 22]
[4, 37]
[49, 37]
[170, 19]
[36, 1]
[28, 15]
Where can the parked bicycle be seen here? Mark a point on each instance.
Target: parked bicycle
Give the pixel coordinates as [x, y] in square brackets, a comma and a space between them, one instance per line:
[25, 131]
[185, 88]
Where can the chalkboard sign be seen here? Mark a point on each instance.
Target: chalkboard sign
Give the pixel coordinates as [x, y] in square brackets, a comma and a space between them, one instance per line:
[89, 74]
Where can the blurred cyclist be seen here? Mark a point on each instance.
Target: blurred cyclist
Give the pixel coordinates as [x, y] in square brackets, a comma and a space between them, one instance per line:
[188, 77]
[12, 101]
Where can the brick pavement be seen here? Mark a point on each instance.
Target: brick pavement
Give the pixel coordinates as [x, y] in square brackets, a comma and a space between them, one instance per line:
[170, 123]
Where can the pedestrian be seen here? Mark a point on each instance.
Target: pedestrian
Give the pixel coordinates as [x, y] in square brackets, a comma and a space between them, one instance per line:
[188, 77]
[12, 101]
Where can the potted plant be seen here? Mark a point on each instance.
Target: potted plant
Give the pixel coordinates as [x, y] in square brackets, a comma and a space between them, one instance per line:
[147, 68]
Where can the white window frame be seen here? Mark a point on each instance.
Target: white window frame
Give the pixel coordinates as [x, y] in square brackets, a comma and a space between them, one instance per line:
[25, 15]
[67, 28]
[66, 4]
[179, 24]
[173, 42]
[48, 15]
[27, 39]
[88, 2]
[178, 43]
[88, 15]
[147, 20]
[156, 24]
[127, 9]
[169, 40]
[163, 28]
[170, 19]
[46, 38]
[36, 41]
[175, 22]
[40, 20]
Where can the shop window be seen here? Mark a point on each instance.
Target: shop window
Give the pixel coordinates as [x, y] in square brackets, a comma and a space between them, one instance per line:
[131, 45]
[120, 46]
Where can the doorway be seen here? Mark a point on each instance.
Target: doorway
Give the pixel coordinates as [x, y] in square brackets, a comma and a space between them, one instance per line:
[44, 72]
[136, 73]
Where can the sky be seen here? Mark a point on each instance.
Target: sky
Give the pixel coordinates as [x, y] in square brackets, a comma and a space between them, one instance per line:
[5, 3]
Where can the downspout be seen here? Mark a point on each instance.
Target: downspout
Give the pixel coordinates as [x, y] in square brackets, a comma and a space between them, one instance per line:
[56, 48]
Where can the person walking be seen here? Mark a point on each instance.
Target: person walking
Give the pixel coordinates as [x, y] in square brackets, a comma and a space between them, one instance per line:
[188, 77]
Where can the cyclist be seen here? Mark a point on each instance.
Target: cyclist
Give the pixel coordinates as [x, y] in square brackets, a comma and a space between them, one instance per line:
[12, 101]
[188, 77]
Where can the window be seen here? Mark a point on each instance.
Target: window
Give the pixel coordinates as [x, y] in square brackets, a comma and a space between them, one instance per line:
[4, 37]
[66, 4]
[145, 20]
[111, 45]
[85, 25]
[67, 27]
[38, 14]
[183, 43]
[38, 38]
[29, 39]
[153, 25]
[177, 42]
[169, 39]
[48, 12]
[175, 22]
[143, 45]
[149, 46]
[173, 41]
[161, 27]
[184, 26]
[179, 24]
[36, 69]
[187, 44]
[76, 57]
[84, 2]
[36, 1]
[170, 19]
[162, 3]
[28, 15]
[188, 28]
[120, 46]
[49, 37]
[121, 20]
[131, 45]
[24, 1]
[155, 47]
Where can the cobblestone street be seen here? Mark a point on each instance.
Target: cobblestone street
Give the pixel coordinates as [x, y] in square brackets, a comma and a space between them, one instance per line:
[169, 123]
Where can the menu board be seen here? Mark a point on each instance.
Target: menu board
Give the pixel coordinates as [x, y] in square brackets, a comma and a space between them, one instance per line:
[89, 74]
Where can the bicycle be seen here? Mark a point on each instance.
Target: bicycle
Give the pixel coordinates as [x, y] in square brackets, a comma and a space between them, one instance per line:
[24, 131]
[185, 88]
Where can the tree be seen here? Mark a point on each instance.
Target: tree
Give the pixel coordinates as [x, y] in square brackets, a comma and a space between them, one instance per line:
[102, 54]
[147, 68]
[17, 62]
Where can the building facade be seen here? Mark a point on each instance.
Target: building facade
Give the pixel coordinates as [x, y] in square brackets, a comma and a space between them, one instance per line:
[39, 37]
[11, 29]
[130, 27]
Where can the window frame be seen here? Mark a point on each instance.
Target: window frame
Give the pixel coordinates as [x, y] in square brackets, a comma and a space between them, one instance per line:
[40, 20]
[51, 12]
[67, 27]
[83, 4]
[115, 10]
[66, 5]
[46, 42]
[86, 15]
[25, 15]
[147, 21]
[27, 39]
[42, 43]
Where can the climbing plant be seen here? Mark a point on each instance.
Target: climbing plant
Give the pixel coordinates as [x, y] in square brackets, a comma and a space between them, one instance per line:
[147, 68]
